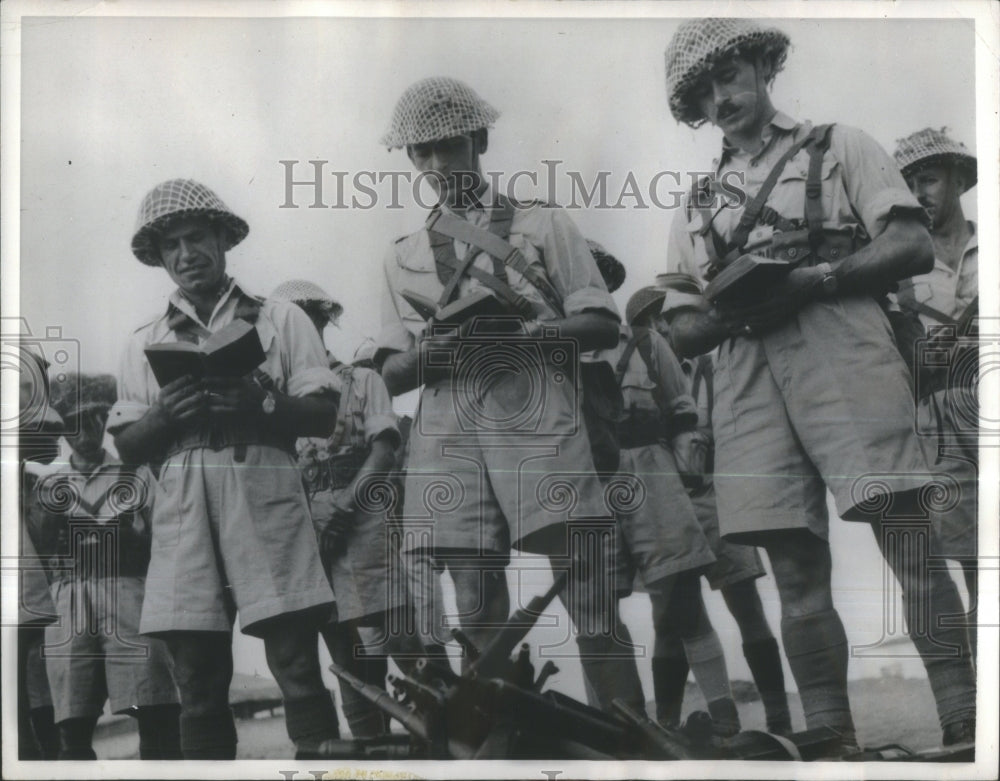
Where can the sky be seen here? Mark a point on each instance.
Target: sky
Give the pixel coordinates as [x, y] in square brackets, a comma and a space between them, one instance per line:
[111, 106]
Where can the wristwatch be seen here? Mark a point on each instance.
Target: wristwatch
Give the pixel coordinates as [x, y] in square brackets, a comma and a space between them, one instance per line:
[829, 281]
[269, 403]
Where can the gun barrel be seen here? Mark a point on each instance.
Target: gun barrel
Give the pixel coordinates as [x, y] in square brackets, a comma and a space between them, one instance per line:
[653, 736]
[384, 702]
[492, 658]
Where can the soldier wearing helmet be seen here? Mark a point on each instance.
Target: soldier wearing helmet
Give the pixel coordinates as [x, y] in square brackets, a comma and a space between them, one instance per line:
[479, 435]
[819, 395]
[737, 567]
[231, 526]
[939, 170]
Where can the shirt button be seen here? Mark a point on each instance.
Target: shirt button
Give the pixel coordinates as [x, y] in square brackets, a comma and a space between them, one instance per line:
[792, 252]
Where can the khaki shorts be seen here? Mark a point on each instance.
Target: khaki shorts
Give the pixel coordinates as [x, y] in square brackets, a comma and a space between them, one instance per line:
[658, 533]
[734, 562]
[476, 489]
[824, 402]
[94, 653]
[954, 501]
[231, 536]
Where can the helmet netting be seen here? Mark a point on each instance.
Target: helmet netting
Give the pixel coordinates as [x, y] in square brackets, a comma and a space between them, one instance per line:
[437, 108]
[928, 147]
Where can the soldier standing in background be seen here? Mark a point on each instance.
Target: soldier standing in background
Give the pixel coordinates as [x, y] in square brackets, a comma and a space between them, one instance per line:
[737, 567]
[939, 171]
[810, 391]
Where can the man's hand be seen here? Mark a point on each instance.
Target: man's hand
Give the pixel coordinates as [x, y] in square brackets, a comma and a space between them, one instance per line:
[788, 297]
[229, 396]
[690, 450]
[181, 400]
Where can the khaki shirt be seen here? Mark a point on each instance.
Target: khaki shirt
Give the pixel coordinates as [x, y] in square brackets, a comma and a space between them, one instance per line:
[946, 289]
[547, 237]
[862, 191]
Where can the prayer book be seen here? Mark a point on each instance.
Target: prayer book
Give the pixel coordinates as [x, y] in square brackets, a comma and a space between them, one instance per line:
[233, 351]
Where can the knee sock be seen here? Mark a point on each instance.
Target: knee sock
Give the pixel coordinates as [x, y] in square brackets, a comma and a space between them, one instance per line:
[209, 736]
[708, 663]
[951, 677]
[816, 647]
[610, 668]
[311, 720]
[670, 674]
[44, 726]
[764, 660]
[76, 737]
[159, 732]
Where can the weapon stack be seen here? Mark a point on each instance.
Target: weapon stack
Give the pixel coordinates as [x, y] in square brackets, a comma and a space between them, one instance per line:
[496, 709]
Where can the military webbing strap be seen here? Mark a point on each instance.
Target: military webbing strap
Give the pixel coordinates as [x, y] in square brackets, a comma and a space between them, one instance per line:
[643, 342]
[931, 312]
[703, 372]
[496, 246]
[814, 185]
[344, 407]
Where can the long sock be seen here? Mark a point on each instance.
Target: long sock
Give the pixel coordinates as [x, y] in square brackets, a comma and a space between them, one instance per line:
[44, 726]
[951, 677]
[610, 669]
[209, 736]
[708, 663]
[76, 738]
[764, 660]
[159, 732]
[816, 647]
[311, 720]
[670, 674]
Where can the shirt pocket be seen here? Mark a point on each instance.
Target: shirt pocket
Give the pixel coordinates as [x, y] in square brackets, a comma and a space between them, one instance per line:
[789, 195]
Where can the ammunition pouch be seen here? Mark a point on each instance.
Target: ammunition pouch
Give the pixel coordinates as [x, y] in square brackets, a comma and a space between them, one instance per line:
[793, 246]
[237, 433]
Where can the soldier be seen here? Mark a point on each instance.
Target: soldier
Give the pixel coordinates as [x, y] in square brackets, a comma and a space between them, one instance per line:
[340, 472]
[659, 537]
[231, 526]
[39, 427]
[939, 171]
[498, 458]
[96, 513]
[815, 393]
[737, 567]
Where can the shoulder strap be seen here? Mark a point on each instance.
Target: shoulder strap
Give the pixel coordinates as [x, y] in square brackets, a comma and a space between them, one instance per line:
[820, 137]
[343, 408]
[497, 247]
[642, 340]
[752, 211]
[931, 312]
[703, 372]
[622, 366]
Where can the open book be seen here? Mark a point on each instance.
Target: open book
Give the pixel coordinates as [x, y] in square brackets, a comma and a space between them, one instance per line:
[490, 312]
[232, 351]
[746, 279]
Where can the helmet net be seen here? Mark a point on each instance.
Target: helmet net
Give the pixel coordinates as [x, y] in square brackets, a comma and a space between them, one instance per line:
[929, 146]
[700, 43]
[642, 301]
[302, 291]
[612, 270]
[437, 108]
[181, 198]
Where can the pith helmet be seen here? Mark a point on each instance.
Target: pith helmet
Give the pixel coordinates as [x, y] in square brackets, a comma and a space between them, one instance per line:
[437, 108]
[178, 198]
[933, 147]
[612, 270]
[301, 291]
[701, 43]
[644, 301]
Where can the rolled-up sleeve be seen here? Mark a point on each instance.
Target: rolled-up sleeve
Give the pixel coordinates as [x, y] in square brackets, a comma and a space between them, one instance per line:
[874, 184]
[135, 396]
[379, 418]
[393, 335]
[571, 268]
[679, 407]
[304, 359]
[681, 259]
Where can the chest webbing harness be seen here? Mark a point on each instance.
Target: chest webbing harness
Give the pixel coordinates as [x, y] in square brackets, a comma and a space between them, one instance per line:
[793, 239]
[642, 427]
[219, 433]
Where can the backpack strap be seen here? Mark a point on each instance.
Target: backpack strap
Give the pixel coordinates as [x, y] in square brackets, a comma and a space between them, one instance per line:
[820, 138]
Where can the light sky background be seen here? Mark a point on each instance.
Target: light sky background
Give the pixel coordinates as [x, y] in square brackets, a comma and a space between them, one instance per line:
[112, 106]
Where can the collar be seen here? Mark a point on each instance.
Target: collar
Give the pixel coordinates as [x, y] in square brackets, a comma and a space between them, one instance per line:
[61, 466]
[180, 303]
[484, 205]
[973, 239]
[779, 125]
